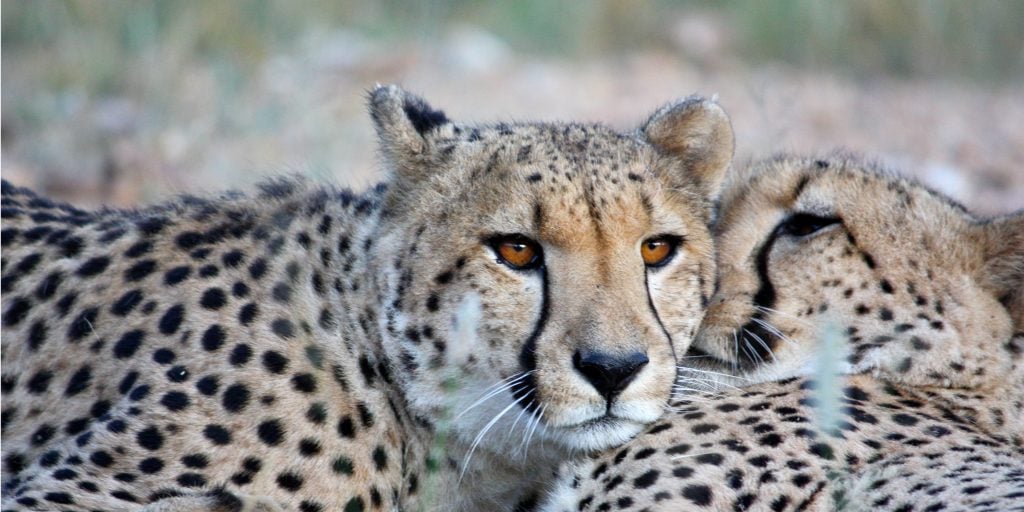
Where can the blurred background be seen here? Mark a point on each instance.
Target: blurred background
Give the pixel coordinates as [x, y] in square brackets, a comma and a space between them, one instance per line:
[125, 102]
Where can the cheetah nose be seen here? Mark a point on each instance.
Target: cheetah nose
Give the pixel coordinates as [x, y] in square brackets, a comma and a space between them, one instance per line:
[608, 373]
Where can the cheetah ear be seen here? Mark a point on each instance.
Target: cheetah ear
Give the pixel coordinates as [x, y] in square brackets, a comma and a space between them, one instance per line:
[697, 132]
[403, 121]
[1003, 269]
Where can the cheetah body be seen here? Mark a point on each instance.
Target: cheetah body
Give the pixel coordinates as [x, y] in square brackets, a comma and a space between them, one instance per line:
[310, 349]
[863, 351]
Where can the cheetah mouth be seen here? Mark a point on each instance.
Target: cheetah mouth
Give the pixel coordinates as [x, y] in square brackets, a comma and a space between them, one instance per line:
[598, 433]
[605, 420]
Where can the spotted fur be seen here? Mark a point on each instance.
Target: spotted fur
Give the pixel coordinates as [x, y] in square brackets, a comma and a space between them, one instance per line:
[301, 348]
[926, 299]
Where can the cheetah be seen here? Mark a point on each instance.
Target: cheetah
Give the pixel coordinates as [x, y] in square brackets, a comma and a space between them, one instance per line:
[862, 352]
[512, 296]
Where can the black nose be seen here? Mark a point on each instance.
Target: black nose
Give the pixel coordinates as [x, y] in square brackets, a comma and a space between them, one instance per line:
[609, 373]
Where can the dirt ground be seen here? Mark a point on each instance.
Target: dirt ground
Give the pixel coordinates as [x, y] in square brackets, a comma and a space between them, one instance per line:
[191, 129]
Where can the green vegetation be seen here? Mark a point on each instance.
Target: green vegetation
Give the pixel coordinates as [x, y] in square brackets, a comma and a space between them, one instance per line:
[979, 39]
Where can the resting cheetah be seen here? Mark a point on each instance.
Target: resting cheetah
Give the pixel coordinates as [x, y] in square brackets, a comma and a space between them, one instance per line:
[928, 301]
[299, 348]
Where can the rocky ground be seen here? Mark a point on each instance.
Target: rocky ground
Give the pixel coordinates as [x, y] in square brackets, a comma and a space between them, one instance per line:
[194, 127]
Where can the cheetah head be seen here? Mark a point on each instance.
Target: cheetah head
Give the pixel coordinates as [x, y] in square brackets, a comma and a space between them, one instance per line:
[919, 290]
[587, 251]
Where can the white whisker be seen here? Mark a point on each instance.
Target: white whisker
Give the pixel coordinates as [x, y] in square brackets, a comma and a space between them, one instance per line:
[503, 385]
[783, 313]
[763, 344]
[709, 372]
[736, 346]
[483, 432]
[774, 330]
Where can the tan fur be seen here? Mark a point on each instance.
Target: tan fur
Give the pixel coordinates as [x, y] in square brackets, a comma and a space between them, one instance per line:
[926, 298]
[359, 378]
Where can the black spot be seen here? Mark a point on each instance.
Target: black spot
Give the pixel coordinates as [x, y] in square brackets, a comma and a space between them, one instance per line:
[43, 434]
[213, 298]
[304, 382]
[886, 286]
[885, 314]
[83, 324]
[905, 419]
[236, 397]
[710, 458]
[126, 303]
[271, 432]
[248, 313]
[49, 285]
[380, 458]
[233, 259]
[283, 328]
[213, 338]
[346, 428]
[422, 116]
[139, 271]
[37, 384]
[309, 447]
[128, 344]
[101, 459]
[177, 275]
[289, 481]
[343, 466]
[240, 289]
[175, 401]
[139, 393]
[646, 480]
[274, 362]
[189, 240]
[93, 266]
[317, 413]
[150, 438]
[163, 356]
[240, 355]
[128, 382]
[355, 504]
[151, 465]
[195, 460]
[258, 268]
[699, 494]
[208, 385]
[217, 434]
[79, 382]
[823, 450]
[172, 319]
[61, 498]
[704, 428]
[191, 480]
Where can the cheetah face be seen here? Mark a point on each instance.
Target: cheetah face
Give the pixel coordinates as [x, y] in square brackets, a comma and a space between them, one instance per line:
[586, 250]
[917, 289]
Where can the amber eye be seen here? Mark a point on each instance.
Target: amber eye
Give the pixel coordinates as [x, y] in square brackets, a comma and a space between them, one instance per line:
[659, 250]
[517, 251]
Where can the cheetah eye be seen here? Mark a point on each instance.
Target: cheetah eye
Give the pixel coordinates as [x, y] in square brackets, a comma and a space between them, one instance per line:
[805, 224]
[518, 251]
[658, 251]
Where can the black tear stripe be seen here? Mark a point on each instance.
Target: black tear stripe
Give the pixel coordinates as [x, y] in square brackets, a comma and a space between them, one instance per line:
[765, 297]
[654, 311]
[525, 390]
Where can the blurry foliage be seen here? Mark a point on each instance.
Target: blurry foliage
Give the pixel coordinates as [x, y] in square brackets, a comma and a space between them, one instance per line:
[980, 39]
